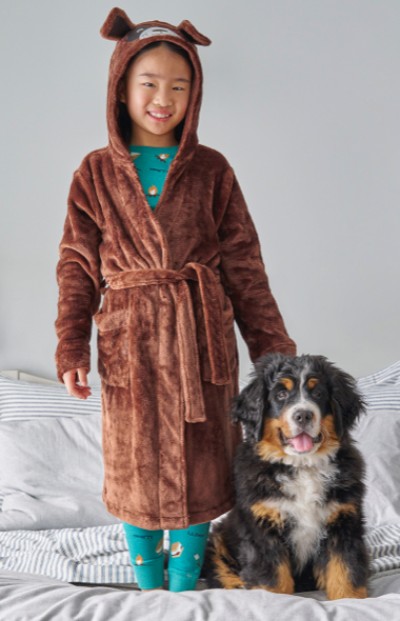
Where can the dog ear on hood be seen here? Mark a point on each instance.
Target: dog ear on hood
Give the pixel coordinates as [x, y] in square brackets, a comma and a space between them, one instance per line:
[192, 34]
[117, 25]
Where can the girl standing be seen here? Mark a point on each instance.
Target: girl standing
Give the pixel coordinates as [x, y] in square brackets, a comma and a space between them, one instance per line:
[157, 224]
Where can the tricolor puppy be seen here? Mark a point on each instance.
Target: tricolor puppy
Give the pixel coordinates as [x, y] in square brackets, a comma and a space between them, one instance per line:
[298, 520]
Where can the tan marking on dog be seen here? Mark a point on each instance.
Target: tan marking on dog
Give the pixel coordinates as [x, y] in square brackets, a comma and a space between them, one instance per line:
[284, 583]
[224, 573]
[330, 442]
[312, 382]
[262, 511]
[347, 508]
[338, 583]
[320, 578]
[287, 382]
[270, 447]
[284, 424]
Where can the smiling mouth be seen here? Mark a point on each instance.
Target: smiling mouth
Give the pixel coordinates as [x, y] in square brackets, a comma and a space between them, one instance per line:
[302, 443]
[159, 116]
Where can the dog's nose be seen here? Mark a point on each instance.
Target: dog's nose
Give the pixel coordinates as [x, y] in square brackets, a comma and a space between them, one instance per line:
[302, 417]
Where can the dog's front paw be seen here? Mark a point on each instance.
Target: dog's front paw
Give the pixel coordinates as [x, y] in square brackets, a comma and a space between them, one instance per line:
[277, 580]
[344, 592]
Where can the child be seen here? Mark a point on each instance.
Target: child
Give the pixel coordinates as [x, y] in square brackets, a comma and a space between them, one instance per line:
[158, 225]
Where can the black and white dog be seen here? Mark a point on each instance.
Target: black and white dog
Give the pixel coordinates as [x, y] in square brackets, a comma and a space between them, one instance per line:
[298, 519]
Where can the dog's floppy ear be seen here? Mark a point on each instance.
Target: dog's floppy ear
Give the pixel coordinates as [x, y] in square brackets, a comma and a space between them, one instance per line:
[250, 405]
[247, 408]
[346, 401]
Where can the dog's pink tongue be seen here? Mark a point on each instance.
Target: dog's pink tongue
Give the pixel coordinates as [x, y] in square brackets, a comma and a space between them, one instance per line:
[302, 443]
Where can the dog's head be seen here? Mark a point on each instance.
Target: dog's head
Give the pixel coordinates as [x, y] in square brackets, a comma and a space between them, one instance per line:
[297, 406]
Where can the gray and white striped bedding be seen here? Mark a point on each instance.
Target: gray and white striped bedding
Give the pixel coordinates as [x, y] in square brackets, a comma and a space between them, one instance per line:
[94, 554]
[384, 546]
[99, 555]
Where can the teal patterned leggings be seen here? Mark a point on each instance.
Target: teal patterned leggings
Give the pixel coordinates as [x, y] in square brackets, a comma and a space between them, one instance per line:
[186, 556]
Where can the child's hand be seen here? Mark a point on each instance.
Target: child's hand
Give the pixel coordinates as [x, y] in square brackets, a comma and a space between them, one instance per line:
[76, 384]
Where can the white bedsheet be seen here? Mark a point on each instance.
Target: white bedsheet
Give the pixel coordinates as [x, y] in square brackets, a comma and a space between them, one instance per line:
[29, 597]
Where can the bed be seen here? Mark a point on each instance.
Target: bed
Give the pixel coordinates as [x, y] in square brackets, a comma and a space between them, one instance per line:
[63, 556]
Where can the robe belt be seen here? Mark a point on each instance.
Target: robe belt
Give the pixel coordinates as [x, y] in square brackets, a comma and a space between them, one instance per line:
[189, 361]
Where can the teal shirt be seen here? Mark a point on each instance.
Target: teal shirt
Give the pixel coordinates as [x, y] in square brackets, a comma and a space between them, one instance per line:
[152, 165]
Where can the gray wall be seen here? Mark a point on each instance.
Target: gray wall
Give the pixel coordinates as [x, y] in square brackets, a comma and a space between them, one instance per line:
[302, 97]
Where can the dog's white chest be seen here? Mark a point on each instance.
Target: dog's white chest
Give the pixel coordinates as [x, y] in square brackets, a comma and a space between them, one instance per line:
[306, 507]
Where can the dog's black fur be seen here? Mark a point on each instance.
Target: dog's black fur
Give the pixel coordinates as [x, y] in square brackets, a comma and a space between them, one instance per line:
[298, 520]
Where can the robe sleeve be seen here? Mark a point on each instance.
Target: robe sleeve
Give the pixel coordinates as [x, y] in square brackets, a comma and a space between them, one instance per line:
[78, 278]
[245, 280]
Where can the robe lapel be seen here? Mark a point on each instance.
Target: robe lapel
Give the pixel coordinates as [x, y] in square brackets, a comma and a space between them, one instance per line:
[143, 225]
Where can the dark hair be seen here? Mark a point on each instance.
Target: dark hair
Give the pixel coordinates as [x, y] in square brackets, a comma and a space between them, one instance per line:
[124, 120]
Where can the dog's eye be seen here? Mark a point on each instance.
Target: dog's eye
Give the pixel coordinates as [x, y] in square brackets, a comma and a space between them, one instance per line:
[282, 395]
[317, 393]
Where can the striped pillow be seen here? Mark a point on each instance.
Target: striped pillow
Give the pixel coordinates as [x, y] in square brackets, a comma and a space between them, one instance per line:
[388, 375]
[51, 468]
[378, 438]
[27, 400]
[381, 390]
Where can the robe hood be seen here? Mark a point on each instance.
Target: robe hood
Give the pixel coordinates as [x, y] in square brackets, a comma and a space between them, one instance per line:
[132, 38]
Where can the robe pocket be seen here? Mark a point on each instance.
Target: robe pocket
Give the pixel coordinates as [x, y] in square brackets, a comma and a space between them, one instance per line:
[113, 347]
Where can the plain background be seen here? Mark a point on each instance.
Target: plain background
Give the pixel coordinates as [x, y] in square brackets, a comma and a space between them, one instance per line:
[302, 97]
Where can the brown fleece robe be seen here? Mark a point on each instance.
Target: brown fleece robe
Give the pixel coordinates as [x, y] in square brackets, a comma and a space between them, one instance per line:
[174, 280]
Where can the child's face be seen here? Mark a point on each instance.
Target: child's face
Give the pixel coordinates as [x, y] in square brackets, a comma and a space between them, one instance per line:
[157, 95]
